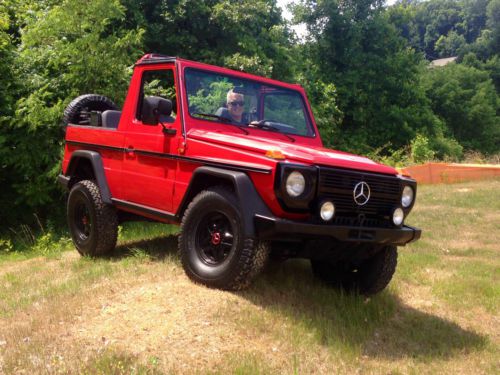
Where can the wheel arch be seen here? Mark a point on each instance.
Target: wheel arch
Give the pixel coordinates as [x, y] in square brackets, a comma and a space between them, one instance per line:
[85, 162]
[238, 182]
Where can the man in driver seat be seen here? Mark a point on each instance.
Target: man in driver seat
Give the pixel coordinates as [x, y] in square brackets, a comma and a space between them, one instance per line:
[235, 107]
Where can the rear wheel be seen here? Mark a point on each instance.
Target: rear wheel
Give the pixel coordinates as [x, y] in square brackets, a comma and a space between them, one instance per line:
[92, 223]
[369, 276]
[213, 247]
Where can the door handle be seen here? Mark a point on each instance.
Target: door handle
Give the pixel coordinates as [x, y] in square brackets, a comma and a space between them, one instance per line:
[130, 150]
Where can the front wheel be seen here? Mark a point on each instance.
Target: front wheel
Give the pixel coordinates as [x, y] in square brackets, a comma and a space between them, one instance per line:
[368, 277]
[92, 223]
[213, 247]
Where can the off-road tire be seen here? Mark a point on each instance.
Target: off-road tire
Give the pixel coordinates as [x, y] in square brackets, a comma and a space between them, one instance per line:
[97, 237]
[369, 277]
[86, 103]
[245, 256]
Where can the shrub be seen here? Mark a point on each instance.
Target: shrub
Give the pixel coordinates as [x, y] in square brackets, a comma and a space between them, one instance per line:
[6, 246]
[421, 151]
[447, 149]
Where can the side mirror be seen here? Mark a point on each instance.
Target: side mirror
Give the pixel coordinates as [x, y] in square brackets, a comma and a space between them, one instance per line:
[153, 107]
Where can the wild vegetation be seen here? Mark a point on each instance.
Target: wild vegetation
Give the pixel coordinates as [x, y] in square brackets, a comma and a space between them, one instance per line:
[137, 313]
[364, 66]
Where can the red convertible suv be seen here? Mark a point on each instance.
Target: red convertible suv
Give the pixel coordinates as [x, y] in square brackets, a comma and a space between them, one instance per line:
[238, 162]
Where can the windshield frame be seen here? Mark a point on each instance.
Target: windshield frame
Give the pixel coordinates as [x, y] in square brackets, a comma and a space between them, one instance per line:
[310, 124]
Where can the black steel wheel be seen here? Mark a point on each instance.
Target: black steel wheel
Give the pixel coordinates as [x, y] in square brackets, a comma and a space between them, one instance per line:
[214, 238]
[368, 277]
[93, 225]
[213, 247]
[82, 219]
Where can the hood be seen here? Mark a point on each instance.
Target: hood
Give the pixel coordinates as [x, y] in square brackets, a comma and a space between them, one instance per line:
[293, 152]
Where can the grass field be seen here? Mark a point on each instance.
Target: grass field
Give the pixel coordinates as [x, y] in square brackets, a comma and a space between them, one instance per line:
[137, 313]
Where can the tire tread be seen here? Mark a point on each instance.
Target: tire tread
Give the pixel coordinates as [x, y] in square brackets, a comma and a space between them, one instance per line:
[73, 109]
[253, 254]
[106, 226]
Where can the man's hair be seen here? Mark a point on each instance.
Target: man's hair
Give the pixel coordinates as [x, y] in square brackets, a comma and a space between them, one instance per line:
[230, 92]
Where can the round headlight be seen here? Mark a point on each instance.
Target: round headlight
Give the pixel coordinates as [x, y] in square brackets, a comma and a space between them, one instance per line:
[397, 216]
[407, 196]
[295, 184]
[327, 211]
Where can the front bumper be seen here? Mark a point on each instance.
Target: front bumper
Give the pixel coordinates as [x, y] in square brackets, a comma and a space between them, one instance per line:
[275, 228]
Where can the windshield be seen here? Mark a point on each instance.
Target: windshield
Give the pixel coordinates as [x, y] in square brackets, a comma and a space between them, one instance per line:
[227, 99]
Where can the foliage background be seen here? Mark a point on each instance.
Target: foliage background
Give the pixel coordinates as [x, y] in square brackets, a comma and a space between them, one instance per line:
[365, 67]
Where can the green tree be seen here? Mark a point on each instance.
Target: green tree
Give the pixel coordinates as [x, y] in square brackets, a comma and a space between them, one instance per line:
[246, 35]
[474, 18]
[434, 19]
[465, 98]
[493, 23]
[442, 28]
[7, 98]
[354, 46]
[65, 50]
[6, 56]
[450, 44]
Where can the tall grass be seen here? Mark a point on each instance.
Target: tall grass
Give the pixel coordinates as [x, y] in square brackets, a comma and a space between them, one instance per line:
[439, 314]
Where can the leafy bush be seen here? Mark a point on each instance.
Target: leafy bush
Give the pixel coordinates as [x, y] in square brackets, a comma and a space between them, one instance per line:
[64, 50]
[48, 245]
[386, 155]
[465, 99]
[447, 149]
[6, 246]
[421, 150]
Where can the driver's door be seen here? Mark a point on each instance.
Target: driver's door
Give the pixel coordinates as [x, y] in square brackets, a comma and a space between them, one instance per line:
[150, 155]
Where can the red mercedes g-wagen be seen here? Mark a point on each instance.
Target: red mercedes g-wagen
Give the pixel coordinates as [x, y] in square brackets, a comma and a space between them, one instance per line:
[238, 162]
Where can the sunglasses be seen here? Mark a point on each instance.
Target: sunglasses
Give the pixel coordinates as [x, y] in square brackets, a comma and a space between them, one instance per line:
[234, 104]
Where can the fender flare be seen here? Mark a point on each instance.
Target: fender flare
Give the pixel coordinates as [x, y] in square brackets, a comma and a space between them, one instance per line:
[249, 199]
[98, 168]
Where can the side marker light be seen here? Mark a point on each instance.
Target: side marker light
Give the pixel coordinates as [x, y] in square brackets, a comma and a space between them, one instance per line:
[275, 154]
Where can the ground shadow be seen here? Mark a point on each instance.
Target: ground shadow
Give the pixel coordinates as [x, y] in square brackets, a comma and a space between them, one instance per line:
[382, 326]
[157, 249]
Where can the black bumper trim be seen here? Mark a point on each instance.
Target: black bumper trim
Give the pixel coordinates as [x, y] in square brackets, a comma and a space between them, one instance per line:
[275, 228]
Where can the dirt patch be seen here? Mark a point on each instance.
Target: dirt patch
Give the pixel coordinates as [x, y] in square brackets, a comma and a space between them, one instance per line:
[420, 298]
[175, 320]
[20, 266]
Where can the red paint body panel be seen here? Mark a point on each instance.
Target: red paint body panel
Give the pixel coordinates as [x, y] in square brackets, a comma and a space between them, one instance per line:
[112, 160]
[146, 167]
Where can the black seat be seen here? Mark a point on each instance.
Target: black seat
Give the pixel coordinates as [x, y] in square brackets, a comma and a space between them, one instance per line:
[111, 119]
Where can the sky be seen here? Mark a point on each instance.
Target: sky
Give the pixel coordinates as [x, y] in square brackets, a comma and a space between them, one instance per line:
[299, 29]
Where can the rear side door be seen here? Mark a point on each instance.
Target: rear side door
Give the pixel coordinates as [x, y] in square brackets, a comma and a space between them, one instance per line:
[150, 162]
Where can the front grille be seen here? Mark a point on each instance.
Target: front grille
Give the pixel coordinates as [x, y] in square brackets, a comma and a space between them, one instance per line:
[338, 186]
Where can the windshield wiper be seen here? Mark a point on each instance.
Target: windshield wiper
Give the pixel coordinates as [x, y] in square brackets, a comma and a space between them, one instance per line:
[266, 125]
[225, 120]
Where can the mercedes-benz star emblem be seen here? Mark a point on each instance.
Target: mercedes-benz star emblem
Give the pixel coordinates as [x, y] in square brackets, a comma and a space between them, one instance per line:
[361, 193]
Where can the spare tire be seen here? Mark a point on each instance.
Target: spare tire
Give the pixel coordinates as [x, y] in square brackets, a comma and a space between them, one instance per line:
[78, 111]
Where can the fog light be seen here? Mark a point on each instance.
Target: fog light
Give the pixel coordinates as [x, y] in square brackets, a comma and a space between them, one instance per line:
[397, 216]
[327, 211]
